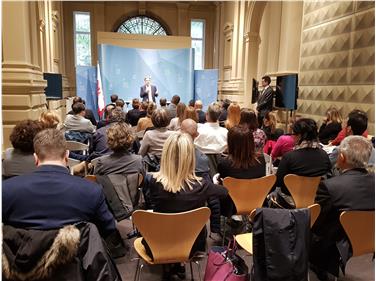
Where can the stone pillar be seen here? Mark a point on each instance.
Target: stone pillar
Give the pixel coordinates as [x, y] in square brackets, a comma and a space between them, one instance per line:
[252, 42]
[23, 85]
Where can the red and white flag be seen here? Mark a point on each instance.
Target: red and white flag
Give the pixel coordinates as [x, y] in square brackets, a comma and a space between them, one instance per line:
[100, 95]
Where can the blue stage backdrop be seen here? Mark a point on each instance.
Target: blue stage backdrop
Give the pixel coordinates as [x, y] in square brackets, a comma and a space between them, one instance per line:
[123, 71]
[86, 85]
[206, 86]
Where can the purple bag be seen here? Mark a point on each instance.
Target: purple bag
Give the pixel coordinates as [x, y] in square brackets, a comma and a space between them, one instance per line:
[224, 265]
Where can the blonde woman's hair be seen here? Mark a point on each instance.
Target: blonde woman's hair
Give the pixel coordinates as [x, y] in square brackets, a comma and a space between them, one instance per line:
[49, 119]
[177, 163]
[333, 115]
[233, 116]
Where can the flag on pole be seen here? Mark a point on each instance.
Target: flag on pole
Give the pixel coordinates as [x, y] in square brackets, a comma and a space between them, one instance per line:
[100, 95]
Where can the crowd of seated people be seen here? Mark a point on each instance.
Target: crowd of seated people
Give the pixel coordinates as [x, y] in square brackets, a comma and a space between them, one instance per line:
[190, 146]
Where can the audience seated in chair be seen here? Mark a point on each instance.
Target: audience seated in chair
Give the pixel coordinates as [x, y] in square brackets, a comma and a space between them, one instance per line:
[354, 189]
[212, 138]
[331, 126]
[154, 139]
[133, 115]
[78, 122]
[248, 118]
[100, 146]
[19, 160]
[356, 125]
[190, 113]
[200, 113]
[242, 161]
[171, 110]
[119, 139]
[176, 188]
[106, 115]
[145, 122]
[271, 131]
[50, 198]
[50, 119]
[233, 116]
[224, 106]
[307, 158]
[202, 169]
[88, 112]
[176, 121]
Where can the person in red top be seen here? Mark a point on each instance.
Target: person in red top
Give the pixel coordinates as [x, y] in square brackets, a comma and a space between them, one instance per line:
[343, 133]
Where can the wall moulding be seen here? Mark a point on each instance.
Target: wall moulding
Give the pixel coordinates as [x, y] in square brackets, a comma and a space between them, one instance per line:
[228, 31]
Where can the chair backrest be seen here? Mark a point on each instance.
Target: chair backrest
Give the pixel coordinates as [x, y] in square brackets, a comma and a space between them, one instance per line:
[91, 178]
[75, 146]
[315, 212]
[248, 194]
[71, 163]
[303, 189]
[360, 229]
[171, 236]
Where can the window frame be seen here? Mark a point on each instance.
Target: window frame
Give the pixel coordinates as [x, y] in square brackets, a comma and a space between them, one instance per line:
[200, 39]
[143, 17]
[75, 32]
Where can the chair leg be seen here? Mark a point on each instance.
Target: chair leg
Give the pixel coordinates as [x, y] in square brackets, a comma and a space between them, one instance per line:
[137, 269]
[199, 270]
[224, 232]
[139, 273]
[190, 265]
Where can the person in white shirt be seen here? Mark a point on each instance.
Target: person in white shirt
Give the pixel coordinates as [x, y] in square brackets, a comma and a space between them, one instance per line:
[148, 92]
[212, 138]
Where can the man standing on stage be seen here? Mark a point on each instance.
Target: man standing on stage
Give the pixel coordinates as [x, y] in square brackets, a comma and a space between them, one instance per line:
[148, 92]
[265, 100]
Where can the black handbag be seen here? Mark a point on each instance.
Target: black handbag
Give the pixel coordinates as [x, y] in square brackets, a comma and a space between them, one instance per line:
[279, 200]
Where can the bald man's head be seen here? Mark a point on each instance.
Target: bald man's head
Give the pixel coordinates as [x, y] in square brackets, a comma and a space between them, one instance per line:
[189, 126]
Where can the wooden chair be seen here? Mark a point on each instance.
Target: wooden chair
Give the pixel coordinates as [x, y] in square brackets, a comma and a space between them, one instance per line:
[245, 240]
[170, 236]
[247, 194]
[91, 178]
[360, 229]
[71, 163]
[303, 189]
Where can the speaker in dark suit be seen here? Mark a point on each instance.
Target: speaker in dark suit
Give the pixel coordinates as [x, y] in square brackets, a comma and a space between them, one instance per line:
[148, 92]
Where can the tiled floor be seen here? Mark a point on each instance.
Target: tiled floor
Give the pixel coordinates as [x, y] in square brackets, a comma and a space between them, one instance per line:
[358, 269]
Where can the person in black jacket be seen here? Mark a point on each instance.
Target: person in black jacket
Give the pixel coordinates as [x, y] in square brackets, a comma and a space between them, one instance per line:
[354, 189]
[133, 115]
[265, 99]
[176, 188]
[331, 126]
[307, 158]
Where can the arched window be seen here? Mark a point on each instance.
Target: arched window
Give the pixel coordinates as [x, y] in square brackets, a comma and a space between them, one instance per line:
[142, 25]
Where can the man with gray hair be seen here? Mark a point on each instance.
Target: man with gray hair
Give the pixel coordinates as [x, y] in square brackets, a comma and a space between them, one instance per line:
[200, 112]
[353, 189]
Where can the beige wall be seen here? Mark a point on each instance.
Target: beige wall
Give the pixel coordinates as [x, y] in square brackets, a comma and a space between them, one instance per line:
[32, 44]
[337, 65]
[107, 16]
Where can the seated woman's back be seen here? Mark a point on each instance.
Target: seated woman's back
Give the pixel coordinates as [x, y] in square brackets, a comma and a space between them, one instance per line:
[307, 158]
[154, 140]
[242, 161]
[121, 161]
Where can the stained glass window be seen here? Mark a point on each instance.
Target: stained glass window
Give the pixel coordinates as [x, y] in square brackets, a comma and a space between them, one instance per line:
[142, 25]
